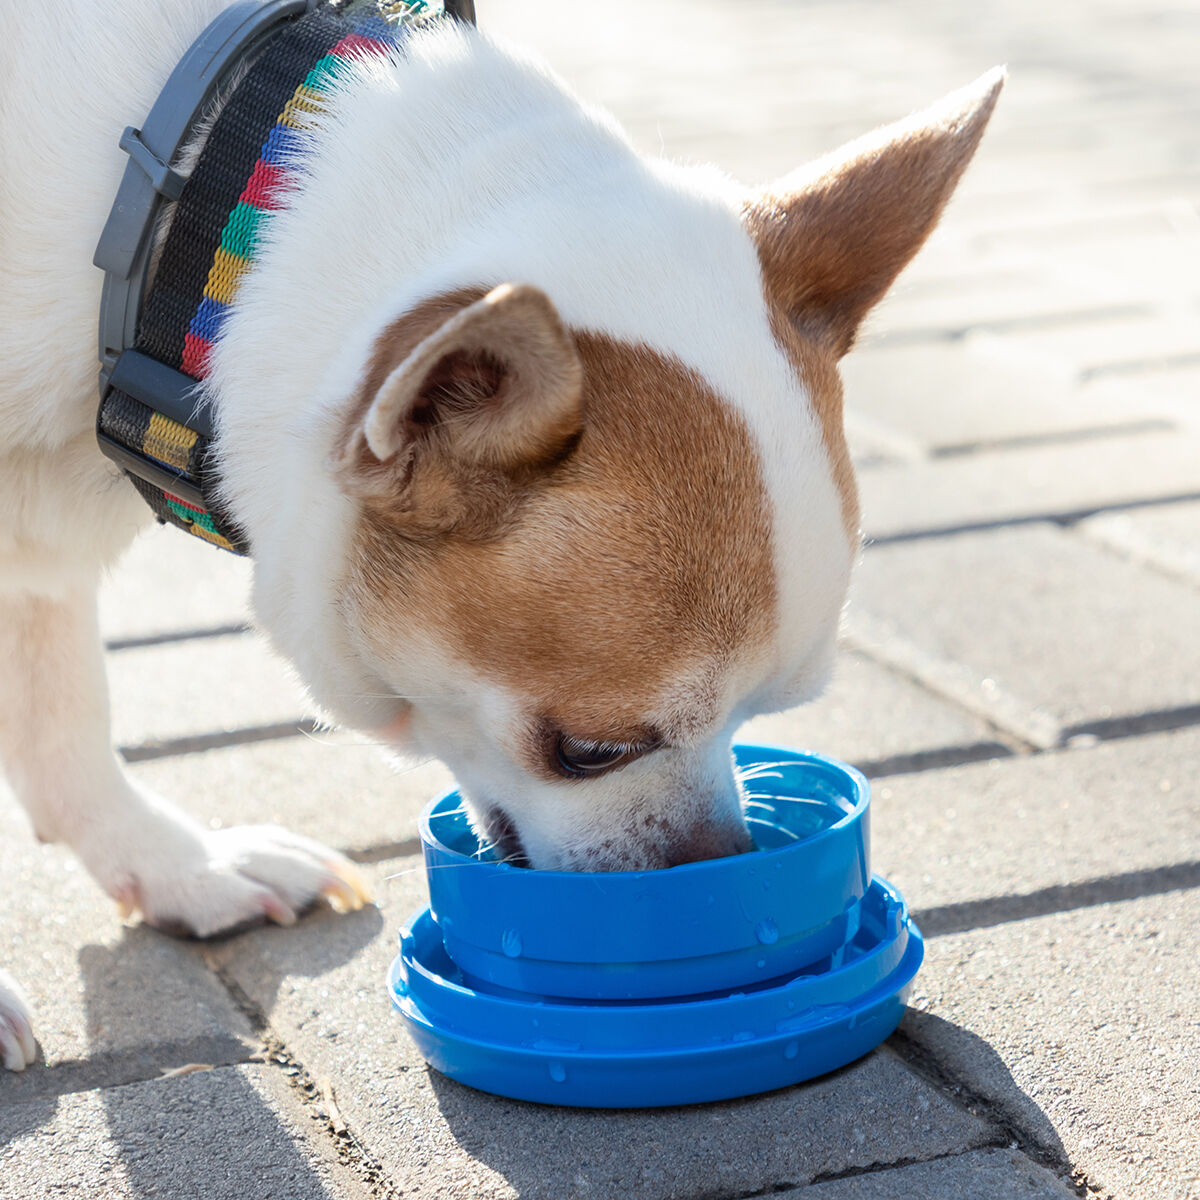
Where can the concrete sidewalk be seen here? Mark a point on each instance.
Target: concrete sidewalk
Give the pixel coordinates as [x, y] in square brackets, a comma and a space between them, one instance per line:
[1021, 678]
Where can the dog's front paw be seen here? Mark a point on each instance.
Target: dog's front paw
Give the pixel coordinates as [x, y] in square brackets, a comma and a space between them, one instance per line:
[190, 881]
[16, 1032]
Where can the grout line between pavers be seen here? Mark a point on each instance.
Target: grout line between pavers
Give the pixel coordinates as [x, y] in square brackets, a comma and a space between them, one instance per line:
[1021, 722]
[1059, 437]
[966, 916]
[1024, 730]
[75, 1076]
[1066, 518]
[925, 1066]
[1118, 536]
[880, 1168]
[1138, 366]
[115, 645]
[404, 848]
[920, 335]
[197, 743]
[934, 759]
[275, 1053]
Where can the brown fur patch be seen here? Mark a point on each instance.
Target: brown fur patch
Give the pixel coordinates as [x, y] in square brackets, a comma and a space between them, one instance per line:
[599, 581]
[833, 238]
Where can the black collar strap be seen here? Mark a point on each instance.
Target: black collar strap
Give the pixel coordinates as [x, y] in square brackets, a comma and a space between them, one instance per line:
[154, 349]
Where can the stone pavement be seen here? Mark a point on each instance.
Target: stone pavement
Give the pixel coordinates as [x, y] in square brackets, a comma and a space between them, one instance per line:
[1021, 677]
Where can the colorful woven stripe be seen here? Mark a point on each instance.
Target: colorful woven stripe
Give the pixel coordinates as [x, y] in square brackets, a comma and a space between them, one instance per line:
[239, 182]
[272, 174]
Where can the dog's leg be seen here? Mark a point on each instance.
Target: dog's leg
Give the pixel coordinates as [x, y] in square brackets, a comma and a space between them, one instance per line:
[54, 744]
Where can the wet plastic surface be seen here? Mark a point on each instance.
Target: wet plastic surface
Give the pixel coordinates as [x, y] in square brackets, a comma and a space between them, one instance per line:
[807, 998]
[703, 926]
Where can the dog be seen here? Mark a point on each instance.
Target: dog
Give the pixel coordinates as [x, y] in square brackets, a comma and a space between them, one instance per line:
[538, 444]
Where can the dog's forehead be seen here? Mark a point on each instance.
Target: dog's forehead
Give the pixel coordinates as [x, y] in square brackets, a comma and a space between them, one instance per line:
[634, 582]
[699, 543]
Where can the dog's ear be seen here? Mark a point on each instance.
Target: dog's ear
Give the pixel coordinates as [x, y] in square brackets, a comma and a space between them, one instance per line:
[492, 386]
[833, 236]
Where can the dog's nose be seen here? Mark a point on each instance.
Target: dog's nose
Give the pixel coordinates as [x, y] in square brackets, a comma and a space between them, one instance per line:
[704, 842]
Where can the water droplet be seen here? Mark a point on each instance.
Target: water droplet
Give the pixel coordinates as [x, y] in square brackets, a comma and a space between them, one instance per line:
[766, 885]
[762, 962]
[510, 943]
[791, 1050]
[558, 1072]
[767, 931]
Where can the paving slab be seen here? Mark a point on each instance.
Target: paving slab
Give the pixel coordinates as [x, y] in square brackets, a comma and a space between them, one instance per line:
[1027, 482]
[1167, 537]
[111, 1002]
[1096, 348]
[977, 1175]
[1080, 1029]
[161, 693]
[1039, 614]
[232, 1133]
[170, 583]
[321, 987]
[990, 299]
[875, 719]
[1166, 387]
[343, 791]
[1014, 838]
[968, 393]
[332, 787]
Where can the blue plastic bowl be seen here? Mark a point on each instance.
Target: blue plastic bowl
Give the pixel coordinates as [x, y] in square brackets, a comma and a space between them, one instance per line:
[621, 1054]
[694, 929]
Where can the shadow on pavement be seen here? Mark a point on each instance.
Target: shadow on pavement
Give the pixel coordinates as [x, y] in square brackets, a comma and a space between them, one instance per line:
[868, 1115]
[18, 1120]
[170, 1132]
[210, 1134]
[929, 1043]
[321, 942]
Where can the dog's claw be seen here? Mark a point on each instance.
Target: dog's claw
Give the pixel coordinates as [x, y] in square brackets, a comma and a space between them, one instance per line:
[342, 894]
[128, 902]
[349, 874]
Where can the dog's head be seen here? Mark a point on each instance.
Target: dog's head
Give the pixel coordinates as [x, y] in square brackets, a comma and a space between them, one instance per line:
[584, 548]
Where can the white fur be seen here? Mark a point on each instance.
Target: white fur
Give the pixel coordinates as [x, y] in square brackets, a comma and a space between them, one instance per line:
[468, 165]
[460, 164]
[464, 165]
[66, 512]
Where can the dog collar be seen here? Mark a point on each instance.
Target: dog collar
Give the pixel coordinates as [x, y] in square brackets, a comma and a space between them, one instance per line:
[155, 340]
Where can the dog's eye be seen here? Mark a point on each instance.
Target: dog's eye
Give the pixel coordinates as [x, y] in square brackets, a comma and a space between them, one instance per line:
[578, 759]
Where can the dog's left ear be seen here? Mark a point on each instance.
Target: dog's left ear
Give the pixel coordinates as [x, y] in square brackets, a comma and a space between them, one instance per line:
[463, 394]
[833, 236]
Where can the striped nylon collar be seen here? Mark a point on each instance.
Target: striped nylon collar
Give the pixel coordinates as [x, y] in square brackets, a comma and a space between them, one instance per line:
[149, 420]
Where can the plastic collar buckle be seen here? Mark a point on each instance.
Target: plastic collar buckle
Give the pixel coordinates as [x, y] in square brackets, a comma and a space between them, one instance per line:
[164, 179]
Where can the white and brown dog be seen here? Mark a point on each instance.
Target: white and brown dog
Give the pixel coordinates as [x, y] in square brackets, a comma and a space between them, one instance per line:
[538, 442]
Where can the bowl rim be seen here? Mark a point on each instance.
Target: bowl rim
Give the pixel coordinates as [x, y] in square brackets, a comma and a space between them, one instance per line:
[860, 792]
[867, 963]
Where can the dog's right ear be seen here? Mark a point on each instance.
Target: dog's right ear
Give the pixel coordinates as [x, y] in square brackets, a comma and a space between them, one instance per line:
[494, 388]
[833, 236]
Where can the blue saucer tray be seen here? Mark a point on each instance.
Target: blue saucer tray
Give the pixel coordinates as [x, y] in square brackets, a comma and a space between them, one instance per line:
[632, 1054]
